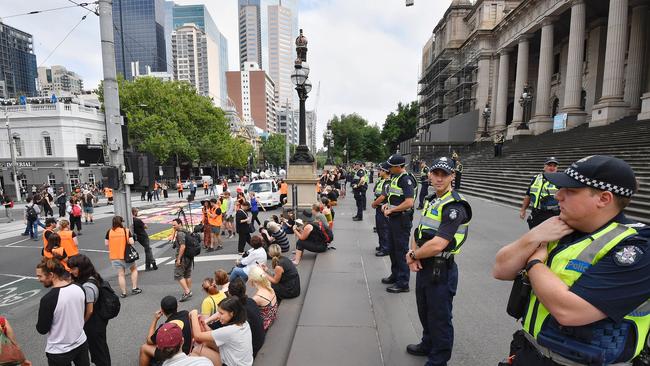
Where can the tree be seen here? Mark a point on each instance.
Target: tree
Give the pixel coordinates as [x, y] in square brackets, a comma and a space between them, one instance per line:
[400, 125]
[361, 140]
[273, 149]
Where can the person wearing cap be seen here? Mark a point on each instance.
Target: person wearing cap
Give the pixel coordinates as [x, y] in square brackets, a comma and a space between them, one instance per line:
[423, 176]
[168, 345]
[402, 191]
[588, 269]
[359, 187]
[381, 221]
[540, 195]
[169, 309]
[441, 232]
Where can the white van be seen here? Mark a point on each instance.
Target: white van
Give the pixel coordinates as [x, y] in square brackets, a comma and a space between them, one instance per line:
[266, 191]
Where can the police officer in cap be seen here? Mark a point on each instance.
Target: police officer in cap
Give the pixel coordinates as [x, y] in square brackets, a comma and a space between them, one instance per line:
[541, 197]
[359, 187]
[588, 302]
[438, 238]
[424, 182]
[402, 191]
[381, 221]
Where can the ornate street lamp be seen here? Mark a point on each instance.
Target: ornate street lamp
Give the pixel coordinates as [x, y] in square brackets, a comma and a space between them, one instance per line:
[486, 118]
[525, 101]
[303, 87]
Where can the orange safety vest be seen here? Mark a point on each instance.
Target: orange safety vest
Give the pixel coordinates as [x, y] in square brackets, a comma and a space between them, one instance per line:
[67, 243]
[284, 188]
[215, 221]
[117, 243]
[205, 185]
[45, 239]
[179, 186]
[108, 192]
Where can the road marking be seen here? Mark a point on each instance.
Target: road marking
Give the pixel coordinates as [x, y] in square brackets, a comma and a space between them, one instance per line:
[40, 247]
[8, 296]
[213, 258]
[159, 262]
[162, 235]
[19, 241]
[17, 276]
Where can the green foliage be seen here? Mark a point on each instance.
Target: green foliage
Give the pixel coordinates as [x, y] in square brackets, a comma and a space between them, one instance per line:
[400, 125]
[362, 140]
[273, 149]
[169, 118]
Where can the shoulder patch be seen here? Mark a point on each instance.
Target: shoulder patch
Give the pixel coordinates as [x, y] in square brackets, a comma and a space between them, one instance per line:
[628, 255]
[453, 214]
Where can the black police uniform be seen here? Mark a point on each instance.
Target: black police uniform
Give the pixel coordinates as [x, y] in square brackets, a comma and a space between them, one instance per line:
[381, 221]
[359, 192]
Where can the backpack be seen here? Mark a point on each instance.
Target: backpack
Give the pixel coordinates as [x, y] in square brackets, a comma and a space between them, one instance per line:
[31, 213]
[192, 245]
[328, 236]
[76, 211]
[108, 304]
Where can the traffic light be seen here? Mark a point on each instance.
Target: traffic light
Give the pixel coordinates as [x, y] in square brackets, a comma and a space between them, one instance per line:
[111, 177]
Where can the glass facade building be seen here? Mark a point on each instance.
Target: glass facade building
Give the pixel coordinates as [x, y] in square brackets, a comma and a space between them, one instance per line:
[17, 63]
[139, 31]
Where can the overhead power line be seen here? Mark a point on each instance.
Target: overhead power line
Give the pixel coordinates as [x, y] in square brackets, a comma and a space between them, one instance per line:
[63, 40]
[83, 5]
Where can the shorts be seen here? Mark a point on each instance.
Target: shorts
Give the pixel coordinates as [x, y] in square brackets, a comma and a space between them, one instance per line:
[184, 270]
[230, 219]
[120, 263]
[89, 209]
[215, 229]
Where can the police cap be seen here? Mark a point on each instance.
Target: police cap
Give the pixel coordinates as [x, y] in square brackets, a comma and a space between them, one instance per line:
[442, 163]
[602, 172]
[551, 160]
[384, 166]
[396, 160]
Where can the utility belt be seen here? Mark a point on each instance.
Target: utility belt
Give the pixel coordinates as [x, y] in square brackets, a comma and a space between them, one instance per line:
[438, 265]
[408, 212]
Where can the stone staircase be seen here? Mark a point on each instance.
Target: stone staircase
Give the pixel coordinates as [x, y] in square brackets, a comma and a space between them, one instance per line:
[505, 179]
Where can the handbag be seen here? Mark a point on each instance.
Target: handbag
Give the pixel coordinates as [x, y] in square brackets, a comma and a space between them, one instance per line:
[130, 254]
[10, 353]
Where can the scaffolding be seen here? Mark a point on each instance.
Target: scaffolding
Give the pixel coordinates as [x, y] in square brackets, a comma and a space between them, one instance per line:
[435, 84]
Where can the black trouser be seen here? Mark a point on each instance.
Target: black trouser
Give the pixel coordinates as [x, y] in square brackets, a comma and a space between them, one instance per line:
[95, 329]
[75, 221]
[424, 191]
[62, 210]
[78, 355]
[47, 210]
[457, 180]
[311, 246]
[180, 194]
[148, 255]
[359, 198]
[398, 245]
[254, 217]
[243, 239]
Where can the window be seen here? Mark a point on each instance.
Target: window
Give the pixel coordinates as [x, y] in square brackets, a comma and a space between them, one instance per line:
[47, 143]
[74, 178]
[18, 145]
[51, 179]
[556, 63]
[87, 140]
[91, 178]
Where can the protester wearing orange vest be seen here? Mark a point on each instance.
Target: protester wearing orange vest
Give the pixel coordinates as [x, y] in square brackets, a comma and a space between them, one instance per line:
[215, 219]
[53, 249]
[50, 225]
[116, 240]
[205, 187]
[179, 187]
[68, 238]
[284, 191]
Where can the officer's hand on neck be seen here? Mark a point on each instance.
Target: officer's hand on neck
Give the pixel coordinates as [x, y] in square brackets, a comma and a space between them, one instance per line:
[550, 230]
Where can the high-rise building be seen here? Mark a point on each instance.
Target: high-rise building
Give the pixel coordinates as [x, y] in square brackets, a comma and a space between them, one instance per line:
[59, 81]
[139, 34]
[17, 63]
[280, 51]
[195, 57]
[252, 92]
[216, 42]
[288, 124]
[169, 28]
[310, 128]
[250, 31]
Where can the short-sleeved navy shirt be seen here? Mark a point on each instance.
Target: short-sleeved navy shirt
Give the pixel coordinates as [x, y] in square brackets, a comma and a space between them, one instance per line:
[618, 283]
[408, 188]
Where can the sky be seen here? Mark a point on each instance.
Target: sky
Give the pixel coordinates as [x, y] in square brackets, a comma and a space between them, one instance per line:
[365, 54]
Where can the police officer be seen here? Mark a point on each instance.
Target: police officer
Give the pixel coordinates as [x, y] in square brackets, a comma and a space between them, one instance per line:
[359, 187]
[438, 238]
[399, 210]
[423, 175]
[588, 269]
[541, 196]
[381, 221]
[458, 170]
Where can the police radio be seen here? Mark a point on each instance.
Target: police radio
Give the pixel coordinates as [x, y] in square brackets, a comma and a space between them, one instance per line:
[519, 295]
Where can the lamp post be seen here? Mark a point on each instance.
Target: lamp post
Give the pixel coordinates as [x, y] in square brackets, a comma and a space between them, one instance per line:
[303, 87]
[486, 118]
[525, 101]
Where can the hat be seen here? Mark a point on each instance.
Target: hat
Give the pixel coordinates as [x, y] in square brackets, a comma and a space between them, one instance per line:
[396, 160]
[384, 166]
[443, 163]
[299, 222]
[602, 172]
[170, 335]
[551, 160]
[307, 214]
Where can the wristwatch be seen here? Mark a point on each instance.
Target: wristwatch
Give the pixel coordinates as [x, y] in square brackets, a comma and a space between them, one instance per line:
[532, 263]
[412, 255]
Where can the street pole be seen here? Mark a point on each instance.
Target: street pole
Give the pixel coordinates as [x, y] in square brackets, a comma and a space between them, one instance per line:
[112, 108]
[13, 157]
[286, 135]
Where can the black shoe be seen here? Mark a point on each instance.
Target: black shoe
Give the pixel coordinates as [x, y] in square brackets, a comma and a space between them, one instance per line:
[388, 280]
[380, 253]
[377, 249]
[357, 219]
[416, 350]
[374, 229]
[353, 217]
[396, 289]
[154, 266]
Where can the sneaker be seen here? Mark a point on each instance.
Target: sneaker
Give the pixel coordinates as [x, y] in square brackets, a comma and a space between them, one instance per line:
[219, 247]
[123, 295]
[184, 297]
[210, 250]
[136, 291]
[190, 294]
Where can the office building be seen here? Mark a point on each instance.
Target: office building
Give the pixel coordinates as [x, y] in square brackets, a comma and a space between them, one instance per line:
[17, 63]
[287, 124]
[139, 36]
[310, 128]
[281, 53]
[59, 81]
[194, 55]
[252, 93]
[169, 28]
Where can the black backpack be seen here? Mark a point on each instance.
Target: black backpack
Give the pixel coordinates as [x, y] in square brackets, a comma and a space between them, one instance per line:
[192, 245]
[108, 304]
[31, 213]
[327, 234]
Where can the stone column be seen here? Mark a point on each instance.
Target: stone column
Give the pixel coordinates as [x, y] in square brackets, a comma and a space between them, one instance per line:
[521, 79]
[633, 76]
[495, 92]
[542, 120]
[611, 106]
[502, 90]
[482, 91]
[575, 60]
[645, 98]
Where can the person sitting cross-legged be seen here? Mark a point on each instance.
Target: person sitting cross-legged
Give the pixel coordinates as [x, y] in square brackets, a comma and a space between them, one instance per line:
[250, 259]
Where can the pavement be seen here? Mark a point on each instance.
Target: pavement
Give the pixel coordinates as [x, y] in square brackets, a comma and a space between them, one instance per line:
[344, 316]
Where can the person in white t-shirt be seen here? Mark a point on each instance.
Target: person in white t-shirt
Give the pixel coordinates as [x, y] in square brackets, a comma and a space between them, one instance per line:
[229, 345]
[250, 259]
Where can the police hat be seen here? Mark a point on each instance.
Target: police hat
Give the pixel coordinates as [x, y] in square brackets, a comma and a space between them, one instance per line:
[396, 160]
[443, 163]
[602, 172]
[551, 160]
[384, 166]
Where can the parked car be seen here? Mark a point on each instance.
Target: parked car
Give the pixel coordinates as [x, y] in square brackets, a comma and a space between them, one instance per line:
[266, 191]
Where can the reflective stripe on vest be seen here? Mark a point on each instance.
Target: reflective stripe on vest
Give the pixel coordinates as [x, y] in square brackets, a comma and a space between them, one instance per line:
[432, 217]
[540, 189]
[569, 264]
[394, 189]
[379, 187]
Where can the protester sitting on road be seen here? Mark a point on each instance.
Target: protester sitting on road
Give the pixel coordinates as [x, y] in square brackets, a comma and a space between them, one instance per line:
[285, 280]
[264, 297]
[222, 279]
[278, 235]
[250, 259]
[116, 240]
[210, 303]
[8, 331]
[238, 289]
[84, 273]
[69, 240]
[230, 344]
[168, 347]
[168, 308]
[310, 237]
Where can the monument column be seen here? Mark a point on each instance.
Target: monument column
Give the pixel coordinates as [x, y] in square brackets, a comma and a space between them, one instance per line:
[502, 90]
[636, 48]
[521, 79]
[542, 120]
[572, 105]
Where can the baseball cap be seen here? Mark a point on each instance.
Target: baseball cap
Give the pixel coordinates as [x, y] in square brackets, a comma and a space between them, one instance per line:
[443, 163]
[396, 160]
[169, 335]
[602, 172]
[551, 160]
